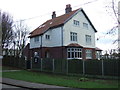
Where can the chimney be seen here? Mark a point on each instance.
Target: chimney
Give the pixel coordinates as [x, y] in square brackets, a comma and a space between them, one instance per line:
[53, 15]
[68, 8]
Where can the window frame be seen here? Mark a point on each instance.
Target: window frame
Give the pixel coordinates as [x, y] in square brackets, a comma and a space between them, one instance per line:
[88, 39]
[76, 22]
[47, 37]
[88, 53]
[85, 25]
[36, 39]
[74, 53]
[73, 36]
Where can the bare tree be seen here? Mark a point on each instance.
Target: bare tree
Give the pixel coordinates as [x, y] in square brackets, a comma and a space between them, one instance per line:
[113, 10]
[20, 36]
[7, 32]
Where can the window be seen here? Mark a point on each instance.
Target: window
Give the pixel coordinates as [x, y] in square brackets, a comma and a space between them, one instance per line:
[73, 36]
[76, 23]
[88, 54]
[36, 39]
[35, 53]
[47, 37]
[74, 53]
[98, 54]
[85, 25]
[88, 39]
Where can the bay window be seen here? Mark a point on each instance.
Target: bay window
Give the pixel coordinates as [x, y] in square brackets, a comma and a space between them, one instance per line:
[74, 53]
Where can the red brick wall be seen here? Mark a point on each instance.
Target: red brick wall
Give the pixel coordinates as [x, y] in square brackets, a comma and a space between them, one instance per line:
[57, 52]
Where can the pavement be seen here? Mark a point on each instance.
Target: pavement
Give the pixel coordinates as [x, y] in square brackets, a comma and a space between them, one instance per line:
[29, 85]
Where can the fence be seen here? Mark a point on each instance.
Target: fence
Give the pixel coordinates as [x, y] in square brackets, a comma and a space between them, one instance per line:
[14, 62]
[49, 65]
[89, 67]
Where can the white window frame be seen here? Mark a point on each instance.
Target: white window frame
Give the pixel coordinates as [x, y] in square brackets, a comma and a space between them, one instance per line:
[85, 25]
[74, 53]
[36, 39]
[88, 39]
[98, 54]
[88, 54]
[47, 37]
[76, 22]
[73, 36]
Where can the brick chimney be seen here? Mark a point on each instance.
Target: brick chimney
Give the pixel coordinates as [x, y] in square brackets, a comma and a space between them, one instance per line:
[68, 8]
[53, 15]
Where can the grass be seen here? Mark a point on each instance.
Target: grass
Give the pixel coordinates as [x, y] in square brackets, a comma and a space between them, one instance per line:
[8, 68]
[61, 80]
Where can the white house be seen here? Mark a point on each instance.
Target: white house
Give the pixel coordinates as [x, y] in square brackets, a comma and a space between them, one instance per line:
[69, 36]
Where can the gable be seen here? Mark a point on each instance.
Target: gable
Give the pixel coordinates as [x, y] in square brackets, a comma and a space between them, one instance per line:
[80, 18]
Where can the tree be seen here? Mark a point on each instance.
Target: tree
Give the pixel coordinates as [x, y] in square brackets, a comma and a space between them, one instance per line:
[20, 36]
[112, 9]
[0, 36]
[7, 32]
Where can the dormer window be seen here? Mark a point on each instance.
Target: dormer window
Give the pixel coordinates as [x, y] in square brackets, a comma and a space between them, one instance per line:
[47, 37]
[76, 23]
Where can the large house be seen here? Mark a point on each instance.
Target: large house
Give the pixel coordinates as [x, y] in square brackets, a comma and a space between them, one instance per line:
[69, 36]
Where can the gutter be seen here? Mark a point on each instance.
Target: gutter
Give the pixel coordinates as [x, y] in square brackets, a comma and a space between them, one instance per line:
[62, 39]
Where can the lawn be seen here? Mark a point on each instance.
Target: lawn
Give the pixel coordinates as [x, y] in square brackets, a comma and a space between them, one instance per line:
[61, 80]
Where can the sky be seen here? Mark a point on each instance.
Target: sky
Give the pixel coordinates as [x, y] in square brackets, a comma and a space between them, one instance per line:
[36, 12]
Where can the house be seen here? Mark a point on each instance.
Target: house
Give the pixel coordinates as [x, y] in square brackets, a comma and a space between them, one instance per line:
[69, 36]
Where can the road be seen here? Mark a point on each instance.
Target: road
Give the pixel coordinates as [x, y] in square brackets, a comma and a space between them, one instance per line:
[4, 86]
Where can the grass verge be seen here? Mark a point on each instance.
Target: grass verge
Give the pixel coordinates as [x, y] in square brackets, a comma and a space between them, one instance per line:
[61, 80]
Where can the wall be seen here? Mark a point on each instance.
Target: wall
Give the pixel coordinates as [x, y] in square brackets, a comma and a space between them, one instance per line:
[35, 44]
[81, 32]
[55, 39]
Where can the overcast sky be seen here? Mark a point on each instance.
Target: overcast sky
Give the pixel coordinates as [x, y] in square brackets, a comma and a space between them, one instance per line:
[38, 11]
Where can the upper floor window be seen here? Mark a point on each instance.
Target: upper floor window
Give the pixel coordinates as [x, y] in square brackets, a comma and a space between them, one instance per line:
[36, 39]
[47, 37]
[85, 25]
[76, 23]
[88, 39]
[73, 36]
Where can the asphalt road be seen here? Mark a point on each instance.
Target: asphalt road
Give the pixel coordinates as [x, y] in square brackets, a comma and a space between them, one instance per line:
[4, 86]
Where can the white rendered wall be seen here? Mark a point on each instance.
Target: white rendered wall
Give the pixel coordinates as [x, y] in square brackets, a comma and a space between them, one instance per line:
[80, 30]
[34, 44]
[55, 39]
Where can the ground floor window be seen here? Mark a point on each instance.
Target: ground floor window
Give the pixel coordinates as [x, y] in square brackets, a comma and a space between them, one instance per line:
[74, 53]
[98, 54]
[88, 54]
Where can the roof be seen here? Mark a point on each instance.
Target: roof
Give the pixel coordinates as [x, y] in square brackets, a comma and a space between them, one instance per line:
[74, 45]
[98, 49]
[55, 22]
